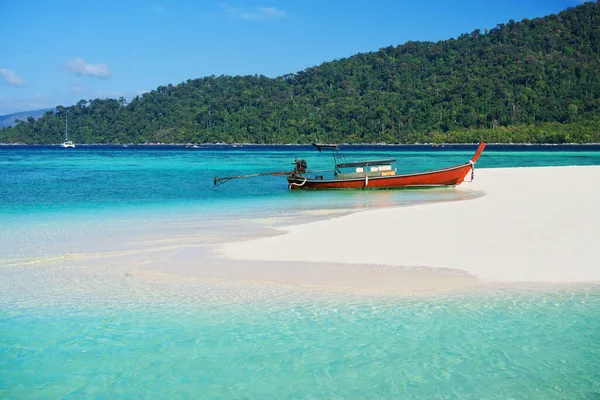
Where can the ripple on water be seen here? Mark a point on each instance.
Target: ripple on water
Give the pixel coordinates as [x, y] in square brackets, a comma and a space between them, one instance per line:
[134, 336]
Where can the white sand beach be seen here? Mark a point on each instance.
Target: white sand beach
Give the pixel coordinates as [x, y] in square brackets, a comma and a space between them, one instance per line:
[531, 225]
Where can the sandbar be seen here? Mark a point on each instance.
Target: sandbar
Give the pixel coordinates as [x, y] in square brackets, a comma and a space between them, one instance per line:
[538, 224]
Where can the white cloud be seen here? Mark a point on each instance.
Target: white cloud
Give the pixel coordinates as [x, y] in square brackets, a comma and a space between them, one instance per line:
[79, 67]
[272, 13]
[76, 88]
[12, 78]
[260, 14]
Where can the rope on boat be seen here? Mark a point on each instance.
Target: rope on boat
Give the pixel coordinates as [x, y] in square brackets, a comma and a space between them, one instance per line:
[472, 170]
[297, 184]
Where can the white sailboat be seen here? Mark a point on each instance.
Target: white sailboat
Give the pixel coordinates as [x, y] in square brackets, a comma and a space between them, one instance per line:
[67, 144]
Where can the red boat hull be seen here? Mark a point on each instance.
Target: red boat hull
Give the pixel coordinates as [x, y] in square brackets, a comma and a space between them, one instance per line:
[451, 176]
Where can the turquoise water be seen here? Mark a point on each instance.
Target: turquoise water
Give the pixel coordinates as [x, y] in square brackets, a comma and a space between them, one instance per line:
[40, 179]
[498, 345]
[76, 330]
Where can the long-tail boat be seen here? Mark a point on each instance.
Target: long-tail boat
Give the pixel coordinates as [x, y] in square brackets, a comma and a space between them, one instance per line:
[373, 174]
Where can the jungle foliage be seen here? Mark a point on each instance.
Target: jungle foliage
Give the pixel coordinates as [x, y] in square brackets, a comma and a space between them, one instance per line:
[535, 81]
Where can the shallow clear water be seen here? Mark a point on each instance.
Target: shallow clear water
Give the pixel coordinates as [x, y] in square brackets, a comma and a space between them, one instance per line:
[478, 345]
[74, 330]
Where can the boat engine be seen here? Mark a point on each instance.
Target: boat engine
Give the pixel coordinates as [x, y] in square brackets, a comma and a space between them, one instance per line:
[300, 167]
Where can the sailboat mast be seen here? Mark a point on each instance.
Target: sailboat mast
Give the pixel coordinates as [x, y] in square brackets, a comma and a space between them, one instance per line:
[66, 126]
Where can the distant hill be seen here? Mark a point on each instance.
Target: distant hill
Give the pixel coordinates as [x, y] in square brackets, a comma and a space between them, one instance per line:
[533, 81]
[11, 119]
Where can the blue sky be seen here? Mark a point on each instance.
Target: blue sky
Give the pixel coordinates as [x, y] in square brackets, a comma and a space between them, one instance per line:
[58, 52]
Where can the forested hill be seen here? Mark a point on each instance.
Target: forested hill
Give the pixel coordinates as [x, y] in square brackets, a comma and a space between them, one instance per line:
[530, 81]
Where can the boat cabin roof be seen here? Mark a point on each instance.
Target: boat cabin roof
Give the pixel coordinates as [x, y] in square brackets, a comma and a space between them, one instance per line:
[365, 163]
[321, 147]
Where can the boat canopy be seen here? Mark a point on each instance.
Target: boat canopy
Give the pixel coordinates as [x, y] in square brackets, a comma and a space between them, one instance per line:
[365, 163]
[322, 147]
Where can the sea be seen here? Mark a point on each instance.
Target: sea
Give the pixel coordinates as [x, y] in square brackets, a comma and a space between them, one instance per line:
[73, 328]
